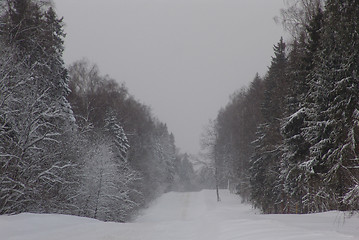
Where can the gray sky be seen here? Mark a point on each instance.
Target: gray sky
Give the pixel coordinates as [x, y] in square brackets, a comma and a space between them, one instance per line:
[184, 58]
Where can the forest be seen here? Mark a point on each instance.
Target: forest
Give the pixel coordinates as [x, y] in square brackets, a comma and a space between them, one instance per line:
[290, 140]
[75, 141]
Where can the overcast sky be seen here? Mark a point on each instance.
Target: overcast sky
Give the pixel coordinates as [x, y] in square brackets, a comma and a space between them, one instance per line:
[183, 58]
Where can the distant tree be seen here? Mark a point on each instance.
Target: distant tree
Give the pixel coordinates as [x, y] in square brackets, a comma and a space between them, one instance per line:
[206, 178]
[209, 143]
[105, 107]
[161, 165]
[185, 176]
[230, 142]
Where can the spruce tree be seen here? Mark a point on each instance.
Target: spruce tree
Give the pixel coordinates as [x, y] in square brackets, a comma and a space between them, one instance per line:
[295, 148]
[115, 130]
[333, 131]
[39, 113]
[265, 182]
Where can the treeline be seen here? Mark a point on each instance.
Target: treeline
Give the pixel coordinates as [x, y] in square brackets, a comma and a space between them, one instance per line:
[290, 141]
[71, 140]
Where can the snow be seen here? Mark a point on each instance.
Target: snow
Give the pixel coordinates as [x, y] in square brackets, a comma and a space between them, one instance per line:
[186, 216]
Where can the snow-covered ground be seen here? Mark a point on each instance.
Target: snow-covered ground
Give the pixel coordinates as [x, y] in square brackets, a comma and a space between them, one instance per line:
[186, 216]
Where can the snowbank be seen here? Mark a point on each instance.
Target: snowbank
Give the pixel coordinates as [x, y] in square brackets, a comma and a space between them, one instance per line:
[186, 216]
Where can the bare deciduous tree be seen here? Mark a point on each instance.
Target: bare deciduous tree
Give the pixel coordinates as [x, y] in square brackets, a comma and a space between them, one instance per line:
[297, 15]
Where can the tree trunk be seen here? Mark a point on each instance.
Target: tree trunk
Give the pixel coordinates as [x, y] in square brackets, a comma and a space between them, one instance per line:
[217, 185]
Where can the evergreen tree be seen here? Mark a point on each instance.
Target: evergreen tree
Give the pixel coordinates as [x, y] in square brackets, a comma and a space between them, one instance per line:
[333, 131]
[121, 144]
[295, 148]
[39, 113]
[266, 188]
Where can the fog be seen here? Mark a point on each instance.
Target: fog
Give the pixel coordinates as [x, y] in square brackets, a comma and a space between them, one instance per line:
[184, 58]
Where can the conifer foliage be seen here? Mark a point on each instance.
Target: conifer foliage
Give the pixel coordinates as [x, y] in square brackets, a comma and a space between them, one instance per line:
[304, 155]
[35, 114]
[71, 141]
[120, 141]
[334, 83]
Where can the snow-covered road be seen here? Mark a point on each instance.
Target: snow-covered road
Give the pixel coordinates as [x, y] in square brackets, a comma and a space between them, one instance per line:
[186, 216]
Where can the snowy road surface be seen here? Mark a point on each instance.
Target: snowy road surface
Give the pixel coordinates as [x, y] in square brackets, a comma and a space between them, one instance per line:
[186, 216]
